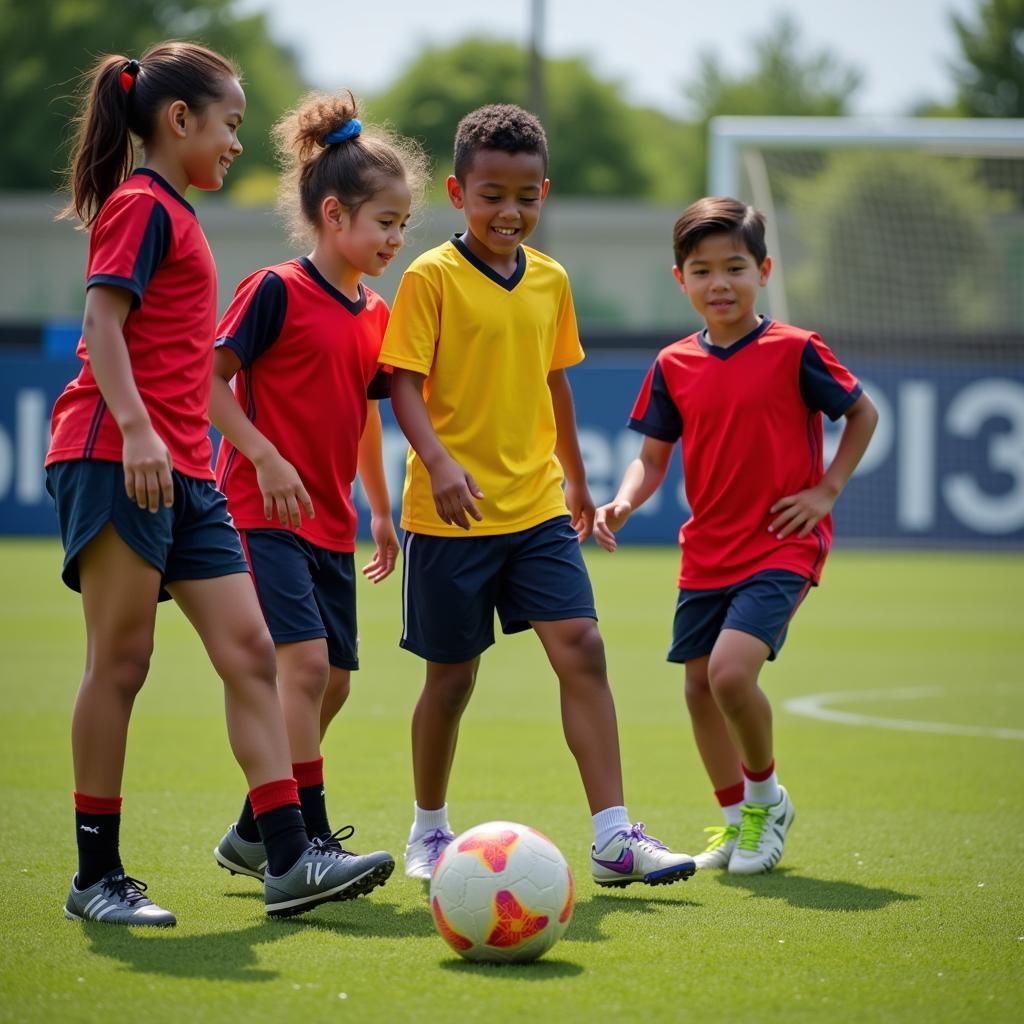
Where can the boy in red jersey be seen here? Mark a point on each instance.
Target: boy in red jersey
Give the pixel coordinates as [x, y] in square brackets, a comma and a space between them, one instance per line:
[745, 395]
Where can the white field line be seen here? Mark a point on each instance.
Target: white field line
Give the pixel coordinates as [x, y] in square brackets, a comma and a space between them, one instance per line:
[816, 705]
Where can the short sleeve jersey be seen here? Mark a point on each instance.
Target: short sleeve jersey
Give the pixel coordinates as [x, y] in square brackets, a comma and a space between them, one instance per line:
[309, 364]
[749, 417]
[148, 241]
[486, 345]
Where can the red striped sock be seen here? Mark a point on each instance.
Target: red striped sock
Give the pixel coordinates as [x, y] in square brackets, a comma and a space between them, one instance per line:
[272, 795]
[308, 773]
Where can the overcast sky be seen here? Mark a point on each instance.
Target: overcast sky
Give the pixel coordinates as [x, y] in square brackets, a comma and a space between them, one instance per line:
[650, 46]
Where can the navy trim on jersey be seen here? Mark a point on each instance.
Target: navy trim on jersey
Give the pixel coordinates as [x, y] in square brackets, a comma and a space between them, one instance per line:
[155, 244]
[819, 389]
[94, 429]
[166, 186]
[661, 419]
[508, 283]
[355, 308]
[250, 412]
[725, 352]
[262, 322]
[380, 386]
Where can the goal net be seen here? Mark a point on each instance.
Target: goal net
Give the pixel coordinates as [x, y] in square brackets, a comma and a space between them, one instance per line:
[902, 242]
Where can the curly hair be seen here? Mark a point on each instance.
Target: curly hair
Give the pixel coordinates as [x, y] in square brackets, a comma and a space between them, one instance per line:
[501, 126]
[353, 169]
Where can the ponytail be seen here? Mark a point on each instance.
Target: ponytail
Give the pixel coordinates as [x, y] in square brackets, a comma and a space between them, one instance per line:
[123, 100]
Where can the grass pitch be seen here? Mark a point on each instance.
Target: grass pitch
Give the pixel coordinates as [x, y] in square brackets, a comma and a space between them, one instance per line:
[900, 897]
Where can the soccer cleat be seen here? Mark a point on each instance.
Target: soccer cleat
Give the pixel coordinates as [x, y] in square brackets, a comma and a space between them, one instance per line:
[762, 836]
[323, 873]
[422, 855]
[239, 856]
[116, 898]
[634, 856]
[721, 843]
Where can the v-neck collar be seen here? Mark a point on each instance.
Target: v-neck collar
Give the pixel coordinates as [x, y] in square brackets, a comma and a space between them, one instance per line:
[355, 308]
[508, 283]
[166, 186]
[725, 352]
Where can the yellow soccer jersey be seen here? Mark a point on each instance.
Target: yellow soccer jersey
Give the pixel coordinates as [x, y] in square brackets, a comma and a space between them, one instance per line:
[486, 345]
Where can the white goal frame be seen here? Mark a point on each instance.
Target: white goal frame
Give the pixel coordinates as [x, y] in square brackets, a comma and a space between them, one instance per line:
[737, 142]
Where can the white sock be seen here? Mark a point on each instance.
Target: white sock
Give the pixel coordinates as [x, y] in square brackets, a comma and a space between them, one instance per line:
[732, 814]
[427, 821]
[607, 824]
[764, 792]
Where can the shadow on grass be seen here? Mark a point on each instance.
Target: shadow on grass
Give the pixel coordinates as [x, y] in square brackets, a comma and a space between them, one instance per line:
[544, 969]
[588, 915]
[232, 955]
[815, 893]
[220, 956]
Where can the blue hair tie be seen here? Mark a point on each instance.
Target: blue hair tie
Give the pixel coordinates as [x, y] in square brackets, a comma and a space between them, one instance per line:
[349, 130]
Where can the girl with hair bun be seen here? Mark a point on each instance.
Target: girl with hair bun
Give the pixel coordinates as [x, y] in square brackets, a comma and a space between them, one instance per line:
[129, 470]
[301, 341]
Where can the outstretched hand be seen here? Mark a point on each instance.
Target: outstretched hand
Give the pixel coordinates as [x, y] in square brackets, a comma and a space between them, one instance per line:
[385, 554]
[608, 520]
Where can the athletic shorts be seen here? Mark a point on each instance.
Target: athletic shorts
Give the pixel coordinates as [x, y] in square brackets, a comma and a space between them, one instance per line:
[761, 605]
[452, 586]
[306, 592]
[192, 540]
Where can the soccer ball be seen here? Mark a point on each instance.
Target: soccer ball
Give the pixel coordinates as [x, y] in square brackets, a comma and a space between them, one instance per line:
[501, 892]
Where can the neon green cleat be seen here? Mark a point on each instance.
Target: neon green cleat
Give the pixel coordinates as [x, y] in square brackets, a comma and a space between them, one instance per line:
[762, 836]
[721, 842]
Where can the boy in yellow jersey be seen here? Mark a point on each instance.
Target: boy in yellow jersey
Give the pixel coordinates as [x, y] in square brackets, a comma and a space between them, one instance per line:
[481, 332]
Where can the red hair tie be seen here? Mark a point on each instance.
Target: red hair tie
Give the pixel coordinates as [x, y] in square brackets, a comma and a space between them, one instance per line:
[128, 75]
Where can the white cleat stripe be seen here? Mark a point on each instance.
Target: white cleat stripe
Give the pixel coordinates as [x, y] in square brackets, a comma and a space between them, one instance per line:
[103, 913]
[96, 899]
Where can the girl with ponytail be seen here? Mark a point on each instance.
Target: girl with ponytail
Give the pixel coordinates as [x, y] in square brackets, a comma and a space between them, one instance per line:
[129, 470]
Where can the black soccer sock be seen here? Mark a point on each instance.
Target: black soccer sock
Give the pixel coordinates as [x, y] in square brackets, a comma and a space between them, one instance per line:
[309, 776]
[314, 811]
[97, 832]
[246, 824]
[284, 837]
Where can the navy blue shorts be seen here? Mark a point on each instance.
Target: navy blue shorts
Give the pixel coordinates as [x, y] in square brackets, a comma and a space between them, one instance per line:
[191, 540]
[761, 605]
[451, 587]
[306, 592]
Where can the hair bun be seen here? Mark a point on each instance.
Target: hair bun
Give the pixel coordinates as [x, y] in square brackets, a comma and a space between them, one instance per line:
[349, 130]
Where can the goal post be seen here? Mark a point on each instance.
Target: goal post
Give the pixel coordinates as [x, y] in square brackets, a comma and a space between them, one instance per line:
[901, 240]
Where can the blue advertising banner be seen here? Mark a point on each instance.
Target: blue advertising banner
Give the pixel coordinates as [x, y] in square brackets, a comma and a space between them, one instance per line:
[946, 465]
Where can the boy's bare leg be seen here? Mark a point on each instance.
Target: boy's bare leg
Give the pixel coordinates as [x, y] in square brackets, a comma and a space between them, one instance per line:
[733, 670]
[576, 652]
[435, 727]
[714, 743]
[226, 614]
[339, 687]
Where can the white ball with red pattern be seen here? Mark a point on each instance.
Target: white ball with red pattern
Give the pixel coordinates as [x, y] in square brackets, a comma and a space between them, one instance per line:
[501, 892]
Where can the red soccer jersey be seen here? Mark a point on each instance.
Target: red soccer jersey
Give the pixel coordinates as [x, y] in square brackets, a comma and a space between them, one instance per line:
[750, 421]
[147, 240]
[309, 364]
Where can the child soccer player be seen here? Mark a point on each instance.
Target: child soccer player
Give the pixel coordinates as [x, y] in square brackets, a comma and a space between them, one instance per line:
[480, 335]
[129, 469]
[745, 394]
[301, 340]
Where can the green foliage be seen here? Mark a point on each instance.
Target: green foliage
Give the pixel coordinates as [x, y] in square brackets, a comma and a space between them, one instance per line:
[786, 80]
[594, 149]
[46, 46]
[899, 240]
[990, 76]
